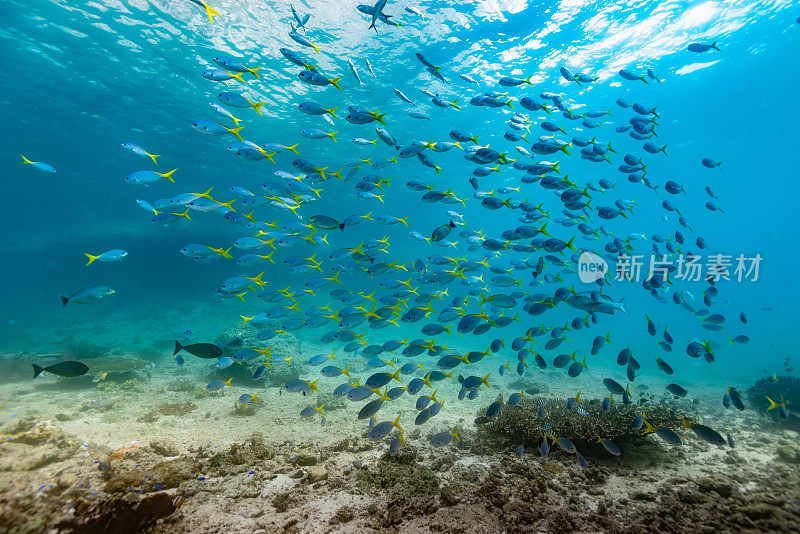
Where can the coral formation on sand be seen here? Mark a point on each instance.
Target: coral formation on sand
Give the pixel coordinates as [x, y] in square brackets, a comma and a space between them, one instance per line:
[523, 425]
[284, 366]
[116, 365]
[411, 486]
[176, 408]
[785, 388]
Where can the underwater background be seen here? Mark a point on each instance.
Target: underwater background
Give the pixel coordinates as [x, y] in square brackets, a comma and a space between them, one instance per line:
[81, 78]
[89, 77]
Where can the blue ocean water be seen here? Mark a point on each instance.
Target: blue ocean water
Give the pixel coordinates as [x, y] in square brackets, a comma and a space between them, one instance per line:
[84, 77]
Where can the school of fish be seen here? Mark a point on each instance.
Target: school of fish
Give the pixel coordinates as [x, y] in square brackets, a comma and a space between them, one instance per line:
[462, 285]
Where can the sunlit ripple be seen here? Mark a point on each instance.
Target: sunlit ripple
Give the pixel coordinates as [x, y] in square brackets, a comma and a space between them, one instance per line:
[694, 66]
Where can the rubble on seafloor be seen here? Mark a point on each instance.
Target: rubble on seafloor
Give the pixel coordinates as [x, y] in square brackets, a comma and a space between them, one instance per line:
[256, 486]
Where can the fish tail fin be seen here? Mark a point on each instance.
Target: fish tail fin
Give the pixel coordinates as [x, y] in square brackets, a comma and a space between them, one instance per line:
[396, 375]
[25, 160]
[168, 175]
[257, 106]
[332, 135]
[485, 380]
[569, 244]
[772, 404]
[237, 75]
[335, 82]
[379, 117]
[543, 230]
[37, 370]
[235, 131]
[91, 258]
[210, 12]
[154, 157]
[330, 112]
[178, 347]
[64, 301]
[254, 72]
[648, 428]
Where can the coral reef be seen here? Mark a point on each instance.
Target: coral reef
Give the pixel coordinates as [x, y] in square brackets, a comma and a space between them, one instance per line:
[330, 401]
[253, 486]
[132, 385]
[243, 409]
[789, 454]
[530, 387]
[786, 388]
[280, 370]
[117, 367]
[253, 451]
[401, 475]
[183, 383]
[176, 408]
[147, 477]
[30, 445]
[122, 452]
[523, 425]
[103, 403]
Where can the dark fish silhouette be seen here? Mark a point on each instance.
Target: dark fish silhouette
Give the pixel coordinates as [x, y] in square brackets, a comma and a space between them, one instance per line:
[201, 350]
[69, 368]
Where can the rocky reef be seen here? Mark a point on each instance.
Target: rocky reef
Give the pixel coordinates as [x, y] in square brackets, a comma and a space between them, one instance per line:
[118, 368]
[354, 485]
[284, 367]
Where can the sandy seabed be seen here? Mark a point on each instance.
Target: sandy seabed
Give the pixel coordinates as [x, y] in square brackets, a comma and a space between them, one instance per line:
[161, 454]
[154, 451]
